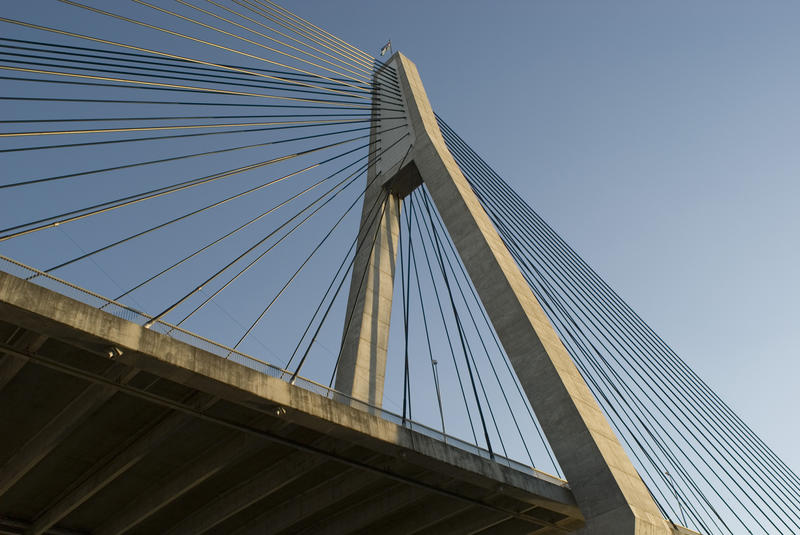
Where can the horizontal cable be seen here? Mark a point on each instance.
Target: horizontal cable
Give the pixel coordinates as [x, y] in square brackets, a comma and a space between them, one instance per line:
[141, 49]
[96, 209]
[371, 163]
[184, 156]
[228, 49]
[318, 30]
[341, 45]
[210, 279]
[173, 220]
[340, 59]
[158, 138]
[151, 59]
[299, 269]
[345, 58]
[182, 217]
[173, 158]
[340, 105]
[354, 76]
[176, 89]
[348, 80]
[179, 86]
[175, 127]
[174, 74]
[303, 359]
[177, 118]
[323, 41]
[158, 102]
[228, 234]
[258, 8]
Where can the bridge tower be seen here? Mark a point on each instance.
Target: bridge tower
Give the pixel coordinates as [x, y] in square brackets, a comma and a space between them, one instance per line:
[610, 493]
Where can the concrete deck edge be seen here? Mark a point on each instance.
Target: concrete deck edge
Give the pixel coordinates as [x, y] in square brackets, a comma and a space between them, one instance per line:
[42, 310]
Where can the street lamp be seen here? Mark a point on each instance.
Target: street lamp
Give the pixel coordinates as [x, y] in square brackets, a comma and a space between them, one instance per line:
[439, 395]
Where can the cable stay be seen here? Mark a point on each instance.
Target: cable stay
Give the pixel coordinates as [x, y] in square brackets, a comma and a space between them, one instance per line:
[151, 59]
[74, 215]
[139, 134]
[228, 49]
[164, 54]
[159, 138]
[176, 158]
[699, 470]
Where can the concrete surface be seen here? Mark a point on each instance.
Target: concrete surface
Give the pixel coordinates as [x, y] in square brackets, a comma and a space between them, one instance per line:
[607, 488]
[111, 428]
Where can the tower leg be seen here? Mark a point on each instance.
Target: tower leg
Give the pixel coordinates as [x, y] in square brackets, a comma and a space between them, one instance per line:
[362, 365]
[612, 497]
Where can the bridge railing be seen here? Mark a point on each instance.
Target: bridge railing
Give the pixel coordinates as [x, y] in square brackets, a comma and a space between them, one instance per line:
[128, 313]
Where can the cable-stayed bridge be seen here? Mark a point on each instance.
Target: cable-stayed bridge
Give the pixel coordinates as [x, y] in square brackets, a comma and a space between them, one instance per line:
[254, 284]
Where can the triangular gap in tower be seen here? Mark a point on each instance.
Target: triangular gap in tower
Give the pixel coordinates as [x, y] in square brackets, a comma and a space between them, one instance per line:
[602, 478]
[452, 345]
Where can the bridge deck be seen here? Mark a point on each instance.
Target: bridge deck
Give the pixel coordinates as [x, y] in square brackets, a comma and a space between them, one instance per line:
[111, 428]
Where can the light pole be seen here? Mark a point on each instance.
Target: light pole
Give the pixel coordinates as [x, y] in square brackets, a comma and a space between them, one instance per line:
[439, 396]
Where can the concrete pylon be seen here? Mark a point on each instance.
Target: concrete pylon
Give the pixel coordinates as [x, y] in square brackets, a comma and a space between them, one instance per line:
[610, 493]
[362, 363]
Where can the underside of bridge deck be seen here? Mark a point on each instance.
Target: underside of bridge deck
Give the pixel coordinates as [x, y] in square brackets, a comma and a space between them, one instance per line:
[111, 428]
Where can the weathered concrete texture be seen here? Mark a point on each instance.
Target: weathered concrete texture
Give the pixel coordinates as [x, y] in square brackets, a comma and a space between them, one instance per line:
[11, 365]
[609, 491]
[188, 442]
[361, 367]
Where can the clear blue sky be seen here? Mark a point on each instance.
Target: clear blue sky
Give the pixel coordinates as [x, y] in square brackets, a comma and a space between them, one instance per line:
[659, 138]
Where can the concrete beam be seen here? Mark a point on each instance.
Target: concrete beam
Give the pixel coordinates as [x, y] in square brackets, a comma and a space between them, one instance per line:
[471, 521]
[60, 317]
[607, 487]
[307, 504]
[425, 515]
[551, 531]
[211, 462]
[508, 527]
[10, 365]
[41, 444]
[362, 514]
[108, 469]
[14, 526]
[513, 526]
[284, 471]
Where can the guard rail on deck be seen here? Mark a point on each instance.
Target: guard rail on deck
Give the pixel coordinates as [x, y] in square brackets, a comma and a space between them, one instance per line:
[125, 312]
